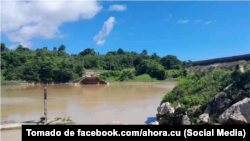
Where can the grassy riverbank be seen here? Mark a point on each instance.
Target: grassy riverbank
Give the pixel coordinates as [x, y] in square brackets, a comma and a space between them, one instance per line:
[201, 88]
[12, 82]
[128, 75]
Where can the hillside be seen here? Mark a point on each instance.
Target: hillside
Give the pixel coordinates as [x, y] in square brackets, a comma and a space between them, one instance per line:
[209, 97]
[47, 66]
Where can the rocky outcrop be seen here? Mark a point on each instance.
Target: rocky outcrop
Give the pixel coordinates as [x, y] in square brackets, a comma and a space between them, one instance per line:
[166, 114]
[242, 93]
[225, 109]
[247, 85]
[193, 109]
[185, 120]
[242, 69]
[166, 109]
[203, 119]
[239, 113]
[170, 115]
[219, 104]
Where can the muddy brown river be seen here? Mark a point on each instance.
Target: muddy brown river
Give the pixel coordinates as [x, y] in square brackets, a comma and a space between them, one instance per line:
[129, 103]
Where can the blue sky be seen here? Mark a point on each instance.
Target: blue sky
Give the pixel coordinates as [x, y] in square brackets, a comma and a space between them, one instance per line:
[190, 30]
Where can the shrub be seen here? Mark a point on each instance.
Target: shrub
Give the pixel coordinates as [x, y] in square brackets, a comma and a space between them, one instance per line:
[126, 75]
[195, 89]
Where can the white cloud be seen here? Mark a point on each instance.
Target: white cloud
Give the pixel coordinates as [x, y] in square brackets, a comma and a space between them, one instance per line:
[23, 21]
[117, 7]
[197, 21]
[183, 21]
[106, 29]
[100, 42]
[208, 22]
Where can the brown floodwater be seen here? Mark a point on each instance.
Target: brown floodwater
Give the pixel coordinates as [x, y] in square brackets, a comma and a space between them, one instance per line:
[129, 103]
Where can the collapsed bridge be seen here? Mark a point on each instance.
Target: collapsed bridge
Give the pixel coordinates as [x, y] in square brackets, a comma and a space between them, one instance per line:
[90, 80]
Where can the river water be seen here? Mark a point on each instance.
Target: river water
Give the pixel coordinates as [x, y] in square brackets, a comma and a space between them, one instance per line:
[129, 103]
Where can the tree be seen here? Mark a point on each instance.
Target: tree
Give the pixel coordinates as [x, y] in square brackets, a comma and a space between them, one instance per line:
[10, 73]
[7, 49]
[88, 51]
[134, 53]
[126, 75]
[171, 62]
[2, 47]
[47, 73]
[155, 57]
[19, 48]
[184, 63]
[62, 48]
[144, 52]
[3, 64]
[31, 72]
[45, 48]
[55, 49]
[57, 66]
[137, 60]
[143, 67]
[190, 62]
[112, 53]
[79, 70]
[151, 67]
[65, 75]
[120, 51]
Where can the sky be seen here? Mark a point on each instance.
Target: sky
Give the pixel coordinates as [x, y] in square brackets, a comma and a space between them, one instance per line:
[190, 30]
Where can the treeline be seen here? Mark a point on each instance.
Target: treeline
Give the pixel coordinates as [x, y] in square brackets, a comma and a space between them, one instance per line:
[43, 65]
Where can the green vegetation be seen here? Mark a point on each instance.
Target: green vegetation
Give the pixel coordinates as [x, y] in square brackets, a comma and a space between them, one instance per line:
[125, 76]
[200, 88]
[175, 73]
[1, 75]
[131, 76]
[11, 82]
[43, 65]
[144, 77]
